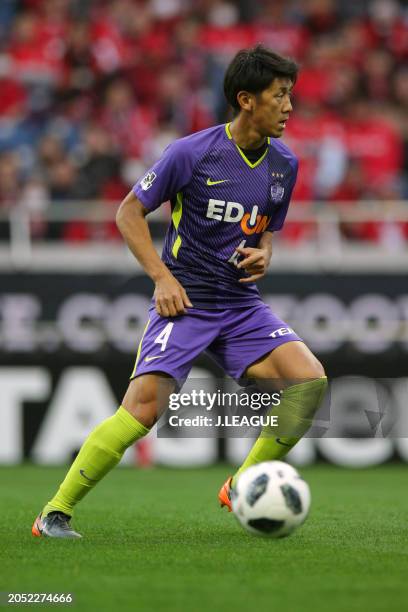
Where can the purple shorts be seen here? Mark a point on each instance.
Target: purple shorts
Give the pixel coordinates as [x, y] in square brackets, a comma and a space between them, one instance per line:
[234, 337]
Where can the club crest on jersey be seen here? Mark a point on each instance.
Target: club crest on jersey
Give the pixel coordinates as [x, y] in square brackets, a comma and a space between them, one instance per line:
[147, 181]
[277, 189]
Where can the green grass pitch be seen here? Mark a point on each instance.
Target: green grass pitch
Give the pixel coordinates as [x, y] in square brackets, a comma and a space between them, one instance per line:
[156, 540]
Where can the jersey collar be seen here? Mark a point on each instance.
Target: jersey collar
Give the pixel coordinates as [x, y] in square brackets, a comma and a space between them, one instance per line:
[242, 154]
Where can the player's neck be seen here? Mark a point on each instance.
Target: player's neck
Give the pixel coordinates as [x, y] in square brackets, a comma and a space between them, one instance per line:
[245, 135]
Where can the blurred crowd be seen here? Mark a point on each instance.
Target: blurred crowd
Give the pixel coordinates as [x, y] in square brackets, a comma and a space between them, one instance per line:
[93, 90]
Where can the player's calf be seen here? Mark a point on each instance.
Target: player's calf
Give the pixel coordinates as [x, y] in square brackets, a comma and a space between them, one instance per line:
[299, 403]
[147, 396]
[101, 451]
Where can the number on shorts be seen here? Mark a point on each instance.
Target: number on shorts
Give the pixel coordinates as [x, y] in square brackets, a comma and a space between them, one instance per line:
[164, 335]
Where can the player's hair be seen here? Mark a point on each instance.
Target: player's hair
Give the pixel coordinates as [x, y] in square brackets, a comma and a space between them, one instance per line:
[253, 70]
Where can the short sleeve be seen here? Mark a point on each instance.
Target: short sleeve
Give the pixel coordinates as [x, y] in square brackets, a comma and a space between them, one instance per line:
[166, 177]
[281, 210]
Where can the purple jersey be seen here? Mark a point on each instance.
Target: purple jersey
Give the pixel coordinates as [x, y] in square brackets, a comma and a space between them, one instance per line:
[220, 201]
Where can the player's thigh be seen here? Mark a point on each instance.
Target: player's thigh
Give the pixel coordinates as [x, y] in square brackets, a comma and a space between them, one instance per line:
[248, 337]
[290, 361]
[147, 396]
[164, 359]
[170, 344]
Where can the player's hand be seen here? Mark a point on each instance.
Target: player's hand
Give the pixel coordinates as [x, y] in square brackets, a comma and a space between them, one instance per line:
[171, 298]
[255, 263]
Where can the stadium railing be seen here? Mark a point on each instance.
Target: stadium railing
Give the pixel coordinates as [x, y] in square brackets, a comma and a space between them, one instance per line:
[325, 247]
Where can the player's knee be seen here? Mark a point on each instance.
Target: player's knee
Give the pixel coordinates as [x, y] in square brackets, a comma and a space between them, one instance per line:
[317, 370]
[147, 398]
[145, 412]
[310, 367]
[141, 400]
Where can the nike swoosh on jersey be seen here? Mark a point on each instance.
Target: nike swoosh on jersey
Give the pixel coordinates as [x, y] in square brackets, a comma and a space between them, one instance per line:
[210, 182]
[151, 358]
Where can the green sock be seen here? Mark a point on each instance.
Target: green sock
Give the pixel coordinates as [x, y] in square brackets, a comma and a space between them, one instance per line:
[101, 451]
[298, 405]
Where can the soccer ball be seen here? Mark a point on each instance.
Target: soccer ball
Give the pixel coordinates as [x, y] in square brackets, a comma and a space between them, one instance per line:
[271, 499]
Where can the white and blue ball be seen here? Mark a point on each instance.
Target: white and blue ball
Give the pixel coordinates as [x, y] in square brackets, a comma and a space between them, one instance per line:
[271, 499]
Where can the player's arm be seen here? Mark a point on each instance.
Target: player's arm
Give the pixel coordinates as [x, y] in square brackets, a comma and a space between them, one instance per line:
[171, 298]
[255, 261]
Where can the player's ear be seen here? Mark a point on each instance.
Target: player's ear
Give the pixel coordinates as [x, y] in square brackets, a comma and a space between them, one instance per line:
[246, 100]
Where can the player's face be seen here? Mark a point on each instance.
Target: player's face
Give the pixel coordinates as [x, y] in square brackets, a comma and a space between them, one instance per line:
[273, 107]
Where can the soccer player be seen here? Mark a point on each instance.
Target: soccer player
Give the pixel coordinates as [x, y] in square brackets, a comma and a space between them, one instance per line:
[229, 187]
